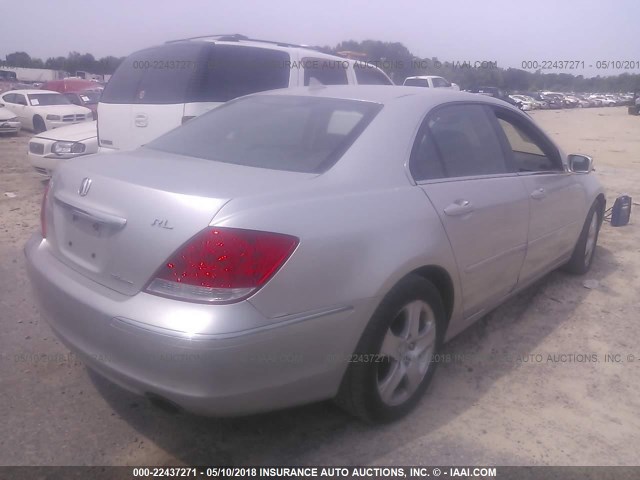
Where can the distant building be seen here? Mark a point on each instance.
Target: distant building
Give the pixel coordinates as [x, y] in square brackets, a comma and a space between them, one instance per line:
[31, 74]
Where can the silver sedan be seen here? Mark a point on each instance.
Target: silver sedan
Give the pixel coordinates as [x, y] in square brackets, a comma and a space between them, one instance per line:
[306, 244]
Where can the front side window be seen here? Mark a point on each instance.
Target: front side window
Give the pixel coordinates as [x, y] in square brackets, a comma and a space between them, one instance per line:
[457, 141]
[531, 153]
[279, 132]
[324, 71]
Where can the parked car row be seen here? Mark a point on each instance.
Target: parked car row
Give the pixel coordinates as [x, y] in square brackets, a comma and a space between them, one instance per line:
[557, 100]
[55, 104]
[41, 110]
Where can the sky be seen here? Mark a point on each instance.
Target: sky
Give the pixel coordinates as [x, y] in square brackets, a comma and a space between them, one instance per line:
[508, 32]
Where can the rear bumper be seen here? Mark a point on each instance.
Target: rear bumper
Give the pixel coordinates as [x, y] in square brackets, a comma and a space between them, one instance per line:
[298, 360]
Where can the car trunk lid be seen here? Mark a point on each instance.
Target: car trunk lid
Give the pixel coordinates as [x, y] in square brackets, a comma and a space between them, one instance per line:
[117, 221]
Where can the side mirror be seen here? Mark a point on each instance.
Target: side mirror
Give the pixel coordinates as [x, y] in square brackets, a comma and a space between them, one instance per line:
[580, 163]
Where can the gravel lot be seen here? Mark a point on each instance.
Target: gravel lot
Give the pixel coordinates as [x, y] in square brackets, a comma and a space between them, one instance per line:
[522, 388]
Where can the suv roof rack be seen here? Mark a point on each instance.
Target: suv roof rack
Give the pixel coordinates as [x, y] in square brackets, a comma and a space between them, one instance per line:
[236, 37]
[227, 37]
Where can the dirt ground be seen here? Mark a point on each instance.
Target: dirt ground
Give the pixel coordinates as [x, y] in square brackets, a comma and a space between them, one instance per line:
[528, 385]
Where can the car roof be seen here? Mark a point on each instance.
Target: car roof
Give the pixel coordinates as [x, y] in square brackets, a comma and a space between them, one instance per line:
[27, 92]
[387, 94]
[247, 42]
[424, 77]
[305, 50]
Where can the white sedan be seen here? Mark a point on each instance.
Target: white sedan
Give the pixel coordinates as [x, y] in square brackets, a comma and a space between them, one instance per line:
[48, 149]
[41, 110]
[526, 102]
[430, 81]
[304, 244]
[9, 123]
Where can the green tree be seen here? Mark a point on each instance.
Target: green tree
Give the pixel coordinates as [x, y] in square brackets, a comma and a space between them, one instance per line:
[18, 59]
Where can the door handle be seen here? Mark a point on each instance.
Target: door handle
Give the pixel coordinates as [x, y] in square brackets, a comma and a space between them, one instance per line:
[459, 207]
[539, 193]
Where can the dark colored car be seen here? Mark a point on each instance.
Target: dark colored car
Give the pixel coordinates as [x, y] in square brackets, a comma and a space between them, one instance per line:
[86, 98]
[554, 100]
[539, 98]
[496, 92]
[78, 91]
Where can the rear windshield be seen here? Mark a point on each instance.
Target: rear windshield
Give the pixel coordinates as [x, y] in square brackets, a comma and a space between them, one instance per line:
[416, 82]
[300, 134]
[48, 99]
[196, 72]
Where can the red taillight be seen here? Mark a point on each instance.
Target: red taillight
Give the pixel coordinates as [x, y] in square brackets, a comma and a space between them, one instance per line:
[43, 220]
[222, 265]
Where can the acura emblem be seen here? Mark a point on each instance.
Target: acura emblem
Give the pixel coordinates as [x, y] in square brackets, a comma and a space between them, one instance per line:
[84, 186]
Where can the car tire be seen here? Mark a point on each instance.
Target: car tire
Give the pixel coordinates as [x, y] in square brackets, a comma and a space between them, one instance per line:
[39, 125]
[393, 363]
[585, 249]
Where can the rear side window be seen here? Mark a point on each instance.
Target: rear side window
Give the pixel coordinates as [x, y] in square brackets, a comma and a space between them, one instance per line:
[457, 141]
[324, 71]
[416, 82]
[300, 134]
[370, 75]
[196, 72]
[155, 75]
[232, 71]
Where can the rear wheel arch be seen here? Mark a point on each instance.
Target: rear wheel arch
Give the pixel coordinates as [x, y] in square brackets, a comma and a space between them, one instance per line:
[357, 390]
[441, 279]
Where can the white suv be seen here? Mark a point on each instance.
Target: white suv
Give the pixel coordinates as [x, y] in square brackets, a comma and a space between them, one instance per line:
[429, 81]
[159, 88]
